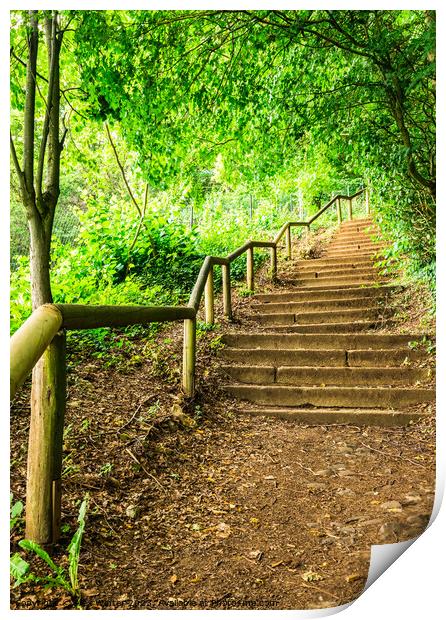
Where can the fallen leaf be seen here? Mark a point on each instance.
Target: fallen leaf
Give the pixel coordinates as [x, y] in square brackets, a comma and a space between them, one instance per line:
[353, 577]
[255, 555]
[90, 592]
[223, 530]
[173, 579]
[311, 576]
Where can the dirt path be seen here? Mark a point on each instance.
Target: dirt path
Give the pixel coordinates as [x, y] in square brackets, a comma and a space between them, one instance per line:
[210, 510]
[193, 506]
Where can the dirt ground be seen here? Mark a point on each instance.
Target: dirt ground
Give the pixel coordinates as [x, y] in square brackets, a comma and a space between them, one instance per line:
[194, 506]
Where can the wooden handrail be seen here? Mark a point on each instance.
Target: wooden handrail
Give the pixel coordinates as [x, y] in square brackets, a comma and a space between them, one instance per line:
[79, 316]
[40, 343]
[30, 341]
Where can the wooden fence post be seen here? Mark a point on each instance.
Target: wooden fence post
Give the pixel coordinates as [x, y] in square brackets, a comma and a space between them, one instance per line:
[350, 208]
[367, 202]
[48, 399]
[189, 356]
[307, 230]
[227, 305]
[339, 212]
[209, 297]
[288, 242]
[274, 263]
[250, 269]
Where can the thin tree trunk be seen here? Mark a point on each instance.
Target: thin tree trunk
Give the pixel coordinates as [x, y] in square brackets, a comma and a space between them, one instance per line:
[40, 245]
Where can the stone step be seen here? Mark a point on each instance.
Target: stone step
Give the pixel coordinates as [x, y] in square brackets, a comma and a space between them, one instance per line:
[332, 273]
[358, 358]
[356, 280]
[351, 254]
[331, 294]
[337, 266]
[331, 328]
[336, 315]
[322, 376]
[355, 237]
[357, 220]
[320, 341]
[296, 307]
[358, 417]
[293, 396]
[314, 289]
[347, 246]
[338, 242]
[353, 224]
[316, 263]
[353, 257]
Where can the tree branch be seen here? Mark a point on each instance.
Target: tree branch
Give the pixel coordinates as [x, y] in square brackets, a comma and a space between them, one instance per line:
[17, 167]
[121, 168]
[30, 108]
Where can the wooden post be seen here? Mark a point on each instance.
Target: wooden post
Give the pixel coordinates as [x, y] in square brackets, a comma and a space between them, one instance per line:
[339, 212]
[367, 202]
[209, 297]
[227, 305]
[307, 230]
[288, 243]
[250, 269]
[48, 398]
[189, 357]
[350, 209]
[274, 263]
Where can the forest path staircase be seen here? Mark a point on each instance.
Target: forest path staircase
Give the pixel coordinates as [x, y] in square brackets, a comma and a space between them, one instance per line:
[318, 357]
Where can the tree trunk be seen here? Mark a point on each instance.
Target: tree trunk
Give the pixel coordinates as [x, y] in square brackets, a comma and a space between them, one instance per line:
[40, 244]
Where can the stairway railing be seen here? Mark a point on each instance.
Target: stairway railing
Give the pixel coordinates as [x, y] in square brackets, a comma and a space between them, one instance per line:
[39, 345]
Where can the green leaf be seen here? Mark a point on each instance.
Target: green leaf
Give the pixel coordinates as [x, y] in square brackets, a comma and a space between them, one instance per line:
[19, 569]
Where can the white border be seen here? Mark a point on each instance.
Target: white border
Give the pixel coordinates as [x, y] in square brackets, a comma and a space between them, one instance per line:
[413, 586]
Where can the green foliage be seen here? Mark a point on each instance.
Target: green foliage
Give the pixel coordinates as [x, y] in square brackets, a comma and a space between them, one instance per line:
[16, 511]
[21, 570]
[248, 118]
[74, 548]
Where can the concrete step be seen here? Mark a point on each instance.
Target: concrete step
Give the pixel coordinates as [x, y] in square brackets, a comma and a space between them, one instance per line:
[356, 280]
[330, 294]
[336, 315]
[356, 237]
[314, 289]
[357, 221]
[326, 272]
[358, 417]
[348, 342]
[355, 243]
[331, 328]
[354, 224]
[296, 307]
[317, 263]
[359, 358]
[322, 376]
[358, 247]
[337, 266]
[351, 254]
[293, 396]
[355, 258]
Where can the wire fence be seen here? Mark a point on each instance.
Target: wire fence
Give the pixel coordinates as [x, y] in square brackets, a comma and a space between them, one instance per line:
[246, 207]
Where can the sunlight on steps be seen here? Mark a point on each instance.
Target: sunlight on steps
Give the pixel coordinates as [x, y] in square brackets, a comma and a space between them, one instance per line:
[319, 358]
